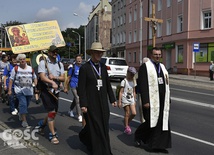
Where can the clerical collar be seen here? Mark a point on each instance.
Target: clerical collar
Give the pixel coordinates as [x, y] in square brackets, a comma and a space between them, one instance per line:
[95, 63]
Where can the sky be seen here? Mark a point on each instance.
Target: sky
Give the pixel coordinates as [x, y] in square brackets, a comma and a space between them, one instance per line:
[29, 11]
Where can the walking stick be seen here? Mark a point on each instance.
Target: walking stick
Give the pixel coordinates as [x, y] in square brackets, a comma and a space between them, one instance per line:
[46, 65]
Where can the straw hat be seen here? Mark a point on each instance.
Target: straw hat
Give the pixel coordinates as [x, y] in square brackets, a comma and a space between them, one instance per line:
[96, 46]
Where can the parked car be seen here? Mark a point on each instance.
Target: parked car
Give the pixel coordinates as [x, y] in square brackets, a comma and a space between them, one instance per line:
[116, 67]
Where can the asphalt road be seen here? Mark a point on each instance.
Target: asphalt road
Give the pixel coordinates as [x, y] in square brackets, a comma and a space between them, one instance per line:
[191, 118]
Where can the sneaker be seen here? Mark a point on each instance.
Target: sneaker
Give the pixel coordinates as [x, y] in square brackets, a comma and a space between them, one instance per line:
[128, 130]
[15, 112]
[80, 118]
[24, 124]
[71, 113]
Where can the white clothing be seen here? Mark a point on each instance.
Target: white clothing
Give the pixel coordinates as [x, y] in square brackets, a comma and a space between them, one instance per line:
[23, 80]
[128, 93]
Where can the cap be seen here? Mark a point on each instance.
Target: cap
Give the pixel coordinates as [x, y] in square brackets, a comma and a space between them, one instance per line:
[53, 48]
[132, 70]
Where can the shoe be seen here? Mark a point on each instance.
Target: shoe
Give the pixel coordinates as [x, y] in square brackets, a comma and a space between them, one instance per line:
[53, 138]
[24, 124]
[15, 112]
[128, 130]
[80, 118]
[38, 101]
[71, 113]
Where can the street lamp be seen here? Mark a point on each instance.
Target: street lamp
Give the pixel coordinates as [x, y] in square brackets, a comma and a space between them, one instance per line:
[79, 40]
[75, 14]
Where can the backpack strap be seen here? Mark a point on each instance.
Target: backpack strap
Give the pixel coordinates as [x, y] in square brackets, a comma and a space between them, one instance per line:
[73, 69]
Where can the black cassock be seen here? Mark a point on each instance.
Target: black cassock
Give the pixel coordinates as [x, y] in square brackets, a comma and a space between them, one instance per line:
[95, 135]
[154, 137]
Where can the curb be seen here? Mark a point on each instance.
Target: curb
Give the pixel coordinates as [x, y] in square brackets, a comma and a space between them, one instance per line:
[38, 149]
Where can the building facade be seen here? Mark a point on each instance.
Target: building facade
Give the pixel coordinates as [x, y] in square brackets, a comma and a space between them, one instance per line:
[185, 24]
[118, 27]
[99, 26]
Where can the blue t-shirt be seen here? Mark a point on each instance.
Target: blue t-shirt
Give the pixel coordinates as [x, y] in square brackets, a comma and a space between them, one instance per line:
[8, 73]
[74, 75]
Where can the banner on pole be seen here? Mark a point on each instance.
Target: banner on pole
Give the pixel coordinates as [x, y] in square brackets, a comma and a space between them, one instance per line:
[34, 36]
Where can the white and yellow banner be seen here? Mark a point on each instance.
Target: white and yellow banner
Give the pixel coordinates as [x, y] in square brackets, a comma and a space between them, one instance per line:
[34, 36]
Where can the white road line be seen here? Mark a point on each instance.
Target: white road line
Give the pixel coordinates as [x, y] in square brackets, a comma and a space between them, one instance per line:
[175, 99]
[193, 102]
[176, 133]
[65, 99]
[192, 138]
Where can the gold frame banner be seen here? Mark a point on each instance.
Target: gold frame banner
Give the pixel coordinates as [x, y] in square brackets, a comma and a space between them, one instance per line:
[34, 36]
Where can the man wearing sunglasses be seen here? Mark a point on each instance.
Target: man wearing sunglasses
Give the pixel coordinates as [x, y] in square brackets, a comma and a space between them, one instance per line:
[51, 73]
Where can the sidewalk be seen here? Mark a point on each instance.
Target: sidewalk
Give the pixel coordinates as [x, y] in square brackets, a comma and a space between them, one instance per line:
[192, 81]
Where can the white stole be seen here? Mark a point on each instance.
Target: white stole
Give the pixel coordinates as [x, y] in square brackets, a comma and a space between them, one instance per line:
[154, 95]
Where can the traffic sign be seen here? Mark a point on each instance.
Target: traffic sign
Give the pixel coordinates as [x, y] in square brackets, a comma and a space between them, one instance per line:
[196, 47]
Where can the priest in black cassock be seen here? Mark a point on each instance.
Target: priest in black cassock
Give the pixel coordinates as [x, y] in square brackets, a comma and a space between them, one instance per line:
[153, 83]
[94, 90]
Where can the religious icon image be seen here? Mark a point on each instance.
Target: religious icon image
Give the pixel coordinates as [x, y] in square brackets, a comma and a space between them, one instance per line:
[18, 36]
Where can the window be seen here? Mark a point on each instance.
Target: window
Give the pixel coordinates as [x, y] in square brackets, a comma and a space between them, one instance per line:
[124, 18]
[106, 8]
[130, 37]
[168, 27]
[118, 6]
[135, 13]
[135, 57]
[201, 56]
[180, 24]
[168, 3]
[179, 55]
[121, 20]
[118, 21]
[135, 36]
[118, 38]
[129, 57]
[159, 5]
[121, 37]
[113, 23]
[130, 16]
[159, 29]
[124, 36]
[113, 39]
[207, 19]
[121, 4]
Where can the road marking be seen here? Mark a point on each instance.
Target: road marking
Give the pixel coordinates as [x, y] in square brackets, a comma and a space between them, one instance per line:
[65, 99]
[173, 132]
[193, 102]
[189, 91]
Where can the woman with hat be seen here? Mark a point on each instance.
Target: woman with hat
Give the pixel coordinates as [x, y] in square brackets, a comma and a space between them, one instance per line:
[94, 89]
